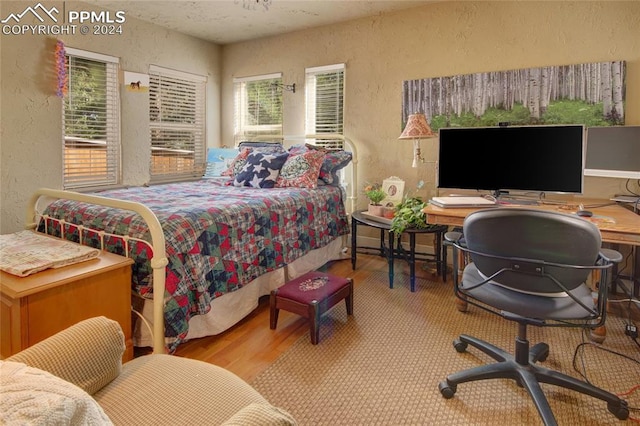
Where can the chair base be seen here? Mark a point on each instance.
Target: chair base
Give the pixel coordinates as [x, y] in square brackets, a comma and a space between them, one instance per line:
[523, 369]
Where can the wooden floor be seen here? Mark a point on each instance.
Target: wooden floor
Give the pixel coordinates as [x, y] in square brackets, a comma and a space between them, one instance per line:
[251, 346]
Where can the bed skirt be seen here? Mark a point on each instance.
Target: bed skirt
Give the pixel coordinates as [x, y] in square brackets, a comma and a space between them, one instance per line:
[228, 310]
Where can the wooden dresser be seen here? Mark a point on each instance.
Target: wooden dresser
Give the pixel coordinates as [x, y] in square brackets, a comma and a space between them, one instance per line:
[38, 306]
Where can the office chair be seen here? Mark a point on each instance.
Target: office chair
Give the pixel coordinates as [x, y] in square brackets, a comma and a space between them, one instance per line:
[530, 266]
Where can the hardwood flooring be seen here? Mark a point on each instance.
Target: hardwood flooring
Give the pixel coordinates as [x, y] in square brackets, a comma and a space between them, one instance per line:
[251, 346]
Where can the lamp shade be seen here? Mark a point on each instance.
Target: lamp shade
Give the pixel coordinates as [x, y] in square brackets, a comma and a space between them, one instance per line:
[417, 128]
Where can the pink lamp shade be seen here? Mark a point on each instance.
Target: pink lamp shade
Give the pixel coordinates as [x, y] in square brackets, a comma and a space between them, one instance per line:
[417, 128]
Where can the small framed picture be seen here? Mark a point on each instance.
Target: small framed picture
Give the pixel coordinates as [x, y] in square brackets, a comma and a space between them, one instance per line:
[393, 186]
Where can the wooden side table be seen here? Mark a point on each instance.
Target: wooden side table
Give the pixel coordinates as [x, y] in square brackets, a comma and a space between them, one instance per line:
[39, 305]
[394, 249]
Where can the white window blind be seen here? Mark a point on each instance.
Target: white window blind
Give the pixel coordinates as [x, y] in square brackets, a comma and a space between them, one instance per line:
[91, 120]
[324, 93]
[258, 106]
[177, 124]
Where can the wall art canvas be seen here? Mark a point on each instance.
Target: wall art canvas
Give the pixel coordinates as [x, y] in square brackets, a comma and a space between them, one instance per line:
[592, 94]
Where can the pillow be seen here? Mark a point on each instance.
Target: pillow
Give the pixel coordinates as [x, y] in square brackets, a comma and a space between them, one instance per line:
[237, 164]
[266, 147]
[32, 396]
[261, 170]
[260, 414]
[219, 160]
[333, 162]
[301, 170]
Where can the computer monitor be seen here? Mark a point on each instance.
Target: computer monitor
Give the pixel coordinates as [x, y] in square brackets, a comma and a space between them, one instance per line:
[613, 152]
[512, 158]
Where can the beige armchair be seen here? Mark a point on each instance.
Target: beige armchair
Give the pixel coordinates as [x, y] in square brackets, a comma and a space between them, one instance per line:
[152, 389]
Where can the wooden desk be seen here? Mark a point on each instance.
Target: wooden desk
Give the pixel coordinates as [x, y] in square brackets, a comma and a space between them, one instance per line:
[625, 230]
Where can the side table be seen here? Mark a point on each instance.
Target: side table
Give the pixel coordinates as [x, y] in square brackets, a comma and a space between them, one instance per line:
[393, 249]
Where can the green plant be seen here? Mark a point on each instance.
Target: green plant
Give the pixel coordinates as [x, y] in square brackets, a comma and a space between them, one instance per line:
[409, 214]
[374, 193]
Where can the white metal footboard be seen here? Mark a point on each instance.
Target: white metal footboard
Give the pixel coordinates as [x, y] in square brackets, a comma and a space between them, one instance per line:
[159, 261]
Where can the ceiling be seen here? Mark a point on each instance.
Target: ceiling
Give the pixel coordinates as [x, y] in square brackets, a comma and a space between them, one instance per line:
[229, 21]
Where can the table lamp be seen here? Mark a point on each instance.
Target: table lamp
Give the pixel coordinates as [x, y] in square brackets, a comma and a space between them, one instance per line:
[417, 128]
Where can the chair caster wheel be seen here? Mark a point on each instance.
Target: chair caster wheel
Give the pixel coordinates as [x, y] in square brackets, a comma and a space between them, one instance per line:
[620, 411]
[460, 346]
[447, 390]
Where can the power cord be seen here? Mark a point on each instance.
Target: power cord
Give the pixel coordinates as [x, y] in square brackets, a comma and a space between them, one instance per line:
[583, 373]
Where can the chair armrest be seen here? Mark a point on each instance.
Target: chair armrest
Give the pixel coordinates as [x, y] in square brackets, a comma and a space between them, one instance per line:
[452, 236]
[87, 354]
[611, 256]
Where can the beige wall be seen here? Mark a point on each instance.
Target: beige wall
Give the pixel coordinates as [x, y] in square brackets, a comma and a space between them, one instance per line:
[440, 39]
[31, 132]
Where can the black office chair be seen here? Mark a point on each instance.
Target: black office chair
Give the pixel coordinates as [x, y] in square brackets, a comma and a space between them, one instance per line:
[530, 266]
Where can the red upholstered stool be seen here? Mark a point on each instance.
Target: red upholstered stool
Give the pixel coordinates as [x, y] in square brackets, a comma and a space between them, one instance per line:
[310, 296]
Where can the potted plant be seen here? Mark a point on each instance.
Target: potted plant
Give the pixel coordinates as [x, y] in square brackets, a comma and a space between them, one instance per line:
[375, 194]
[409, 214]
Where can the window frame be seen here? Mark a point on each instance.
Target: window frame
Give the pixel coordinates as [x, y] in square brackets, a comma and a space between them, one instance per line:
[312, 125]
[103, 170]
[242, 129]
[181, 163]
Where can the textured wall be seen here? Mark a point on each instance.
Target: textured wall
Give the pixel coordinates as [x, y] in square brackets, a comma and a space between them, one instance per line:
[31, 135]
[440, 39]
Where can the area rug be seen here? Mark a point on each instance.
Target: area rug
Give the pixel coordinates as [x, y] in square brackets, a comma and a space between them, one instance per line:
[382, 365]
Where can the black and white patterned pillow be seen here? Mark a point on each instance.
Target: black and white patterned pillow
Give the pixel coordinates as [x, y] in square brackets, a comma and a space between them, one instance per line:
[261, 170]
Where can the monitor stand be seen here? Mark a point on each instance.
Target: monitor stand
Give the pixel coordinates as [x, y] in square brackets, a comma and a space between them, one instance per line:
[504, 197]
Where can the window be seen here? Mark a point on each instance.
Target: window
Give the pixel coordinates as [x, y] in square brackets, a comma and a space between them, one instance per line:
[91, 120]
[177, 124]
[324, 92]
[258, 106]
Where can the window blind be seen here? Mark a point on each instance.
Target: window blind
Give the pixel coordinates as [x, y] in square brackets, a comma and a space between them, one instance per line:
[177, 124]
[91, 120]
[324, 93]
[258, 106]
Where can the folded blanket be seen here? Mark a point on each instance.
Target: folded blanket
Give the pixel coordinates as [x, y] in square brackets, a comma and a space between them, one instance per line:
[24, 253]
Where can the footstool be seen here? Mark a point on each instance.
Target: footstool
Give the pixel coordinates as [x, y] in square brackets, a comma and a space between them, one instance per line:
[310, 296]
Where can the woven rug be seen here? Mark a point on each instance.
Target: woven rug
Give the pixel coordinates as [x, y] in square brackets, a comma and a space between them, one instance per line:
[382, 365]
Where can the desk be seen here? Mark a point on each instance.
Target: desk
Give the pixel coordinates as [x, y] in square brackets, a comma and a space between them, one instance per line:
[625, 230]
[393, 249]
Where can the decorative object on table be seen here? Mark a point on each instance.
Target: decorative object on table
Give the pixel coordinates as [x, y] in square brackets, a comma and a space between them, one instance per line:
[409, 214]
[375, 194]
[393, 186]
[417, 128]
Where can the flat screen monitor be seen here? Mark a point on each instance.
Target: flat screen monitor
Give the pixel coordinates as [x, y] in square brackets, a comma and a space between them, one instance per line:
[613, 152]
[502, 159]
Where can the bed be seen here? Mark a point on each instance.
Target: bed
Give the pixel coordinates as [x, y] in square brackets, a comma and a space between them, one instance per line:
[203, 251]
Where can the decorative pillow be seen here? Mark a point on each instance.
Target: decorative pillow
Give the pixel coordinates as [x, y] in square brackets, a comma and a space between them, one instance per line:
[32, 396]
[333, 162]
[301, 170]
[218, 161]
[261, 170]
[237, 164]
[266, 147]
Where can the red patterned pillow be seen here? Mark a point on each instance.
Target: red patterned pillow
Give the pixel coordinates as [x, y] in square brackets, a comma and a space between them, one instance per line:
[301, 170]
[237, 164]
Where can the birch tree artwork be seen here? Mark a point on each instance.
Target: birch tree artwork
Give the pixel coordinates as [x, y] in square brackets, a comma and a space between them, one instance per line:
[592, 94]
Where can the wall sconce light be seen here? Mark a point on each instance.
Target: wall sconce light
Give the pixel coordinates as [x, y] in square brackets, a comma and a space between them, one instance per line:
[288, 87]
[417, 128]
[251, 4]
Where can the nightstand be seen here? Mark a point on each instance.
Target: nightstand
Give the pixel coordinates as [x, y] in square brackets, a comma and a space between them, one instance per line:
[39, 305]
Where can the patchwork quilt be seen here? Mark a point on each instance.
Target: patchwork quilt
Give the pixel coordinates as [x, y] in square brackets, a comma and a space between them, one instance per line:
[218, 237]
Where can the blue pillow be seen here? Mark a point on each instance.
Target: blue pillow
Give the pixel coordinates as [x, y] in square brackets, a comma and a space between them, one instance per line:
[261, 170]
[218, 160]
